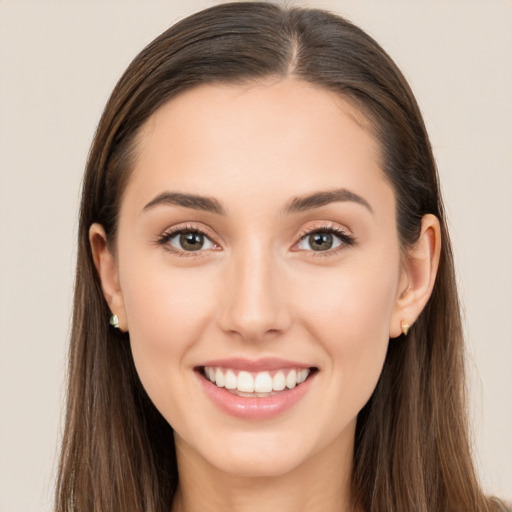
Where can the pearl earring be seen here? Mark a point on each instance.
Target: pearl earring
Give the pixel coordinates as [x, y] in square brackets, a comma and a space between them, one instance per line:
[114, 321]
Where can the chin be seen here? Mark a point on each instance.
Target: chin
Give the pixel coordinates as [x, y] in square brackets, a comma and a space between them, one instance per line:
[259, 454]
[258, 466]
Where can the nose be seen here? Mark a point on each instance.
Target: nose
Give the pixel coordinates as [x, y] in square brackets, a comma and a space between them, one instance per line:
[254, 303]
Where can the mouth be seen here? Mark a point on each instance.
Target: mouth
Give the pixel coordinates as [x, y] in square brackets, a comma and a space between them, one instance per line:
[251, 384]
[256, 389]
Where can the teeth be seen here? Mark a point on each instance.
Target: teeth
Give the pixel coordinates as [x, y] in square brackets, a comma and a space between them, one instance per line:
[302, 375]
[258, 384]
[279, 381]
[230, 380]
[219, 378]
[245, 382]
[291, 379]
[263, 383]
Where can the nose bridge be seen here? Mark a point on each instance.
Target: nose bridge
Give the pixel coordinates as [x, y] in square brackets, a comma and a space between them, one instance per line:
[255, 302]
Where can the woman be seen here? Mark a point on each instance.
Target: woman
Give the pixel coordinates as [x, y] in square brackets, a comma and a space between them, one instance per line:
[262, 224]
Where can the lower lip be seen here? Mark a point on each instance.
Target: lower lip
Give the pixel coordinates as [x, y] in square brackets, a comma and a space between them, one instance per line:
[250, 408]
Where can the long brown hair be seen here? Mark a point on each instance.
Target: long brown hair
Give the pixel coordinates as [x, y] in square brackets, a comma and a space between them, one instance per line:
[411, 449]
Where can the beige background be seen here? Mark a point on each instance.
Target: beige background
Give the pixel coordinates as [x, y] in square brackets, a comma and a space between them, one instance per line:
[58, 63]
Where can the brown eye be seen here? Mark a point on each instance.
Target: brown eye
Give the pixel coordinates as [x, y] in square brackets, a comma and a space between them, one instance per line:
[321, 241]
[189, 241]
[325, 239]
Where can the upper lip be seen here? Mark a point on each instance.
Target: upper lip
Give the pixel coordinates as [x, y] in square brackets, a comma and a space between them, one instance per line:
[254, 365]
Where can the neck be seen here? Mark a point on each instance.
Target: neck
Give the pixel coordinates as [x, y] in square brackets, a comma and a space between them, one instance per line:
[320, 484]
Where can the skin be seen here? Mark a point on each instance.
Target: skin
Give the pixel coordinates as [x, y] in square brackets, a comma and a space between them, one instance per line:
[259, 289]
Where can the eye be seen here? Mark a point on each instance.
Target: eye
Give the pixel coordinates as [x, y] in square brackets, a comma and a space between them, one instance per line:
[191, 241]
[186, 240]
[324, 239]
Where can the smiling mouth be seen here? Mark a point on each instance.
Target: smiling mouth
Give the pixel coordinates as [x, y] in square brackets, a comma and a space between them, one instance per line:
[256, 384]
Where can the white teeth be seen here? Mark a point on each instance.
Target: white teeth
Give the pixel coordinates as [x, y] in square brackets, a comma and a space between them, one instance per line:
[302, 375]
[258, 384]
[291, 379]
[219, 378]
[263, 383]
[279, 381]
[245, 382]
[230, 380]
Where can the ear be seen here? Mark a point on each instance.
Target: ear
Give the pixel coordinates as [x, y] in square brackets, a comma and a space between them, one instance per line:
[418, 276]
[106, 267]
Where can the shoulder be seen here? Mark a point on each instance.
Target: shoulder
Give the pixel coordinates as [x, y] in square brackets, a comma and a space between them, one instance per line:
[502, 506]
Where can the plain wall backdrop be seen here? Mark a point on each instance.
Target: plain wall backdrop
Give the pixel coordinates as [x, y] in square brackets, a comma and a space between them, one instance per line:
[58, 63]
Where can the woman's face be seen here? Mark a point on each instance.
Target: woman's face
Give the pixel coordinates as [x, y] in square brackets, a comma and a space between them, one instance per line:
[257, 246]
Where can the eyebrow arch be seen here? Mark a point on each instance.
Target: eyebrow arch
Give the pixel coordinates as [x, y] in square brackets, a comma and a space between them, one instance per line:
[318, 199]
[297, 204]
[196, 202]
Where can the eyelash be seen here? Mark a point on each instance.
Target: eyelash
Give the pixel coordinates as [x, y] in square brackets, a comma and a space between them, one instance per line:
[168, 235]
[347, 240]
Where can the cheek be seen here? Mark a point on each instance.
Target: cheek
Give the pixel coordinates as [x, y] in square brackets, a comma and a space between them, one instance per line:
[167, 310]
[346, 303]
[351, 319]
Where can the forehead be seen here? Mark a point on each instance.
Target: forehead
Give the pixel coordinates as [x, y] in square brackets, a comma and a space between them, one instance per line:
[277, 139]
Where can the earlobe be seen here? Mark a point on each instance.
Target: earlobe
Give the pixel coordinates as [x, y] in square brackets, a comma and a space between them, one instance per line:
[419, 275]
[106, 267]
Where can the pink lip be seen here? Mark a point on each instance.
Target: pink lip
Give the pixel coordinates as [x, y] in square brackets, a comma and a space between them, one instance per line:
[250, 408]
[254, 365]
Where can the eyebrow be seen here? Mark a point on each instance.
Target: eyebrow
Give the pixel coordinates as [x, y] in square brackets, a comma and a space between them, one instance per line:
[297, 204]
[318, 199]
[196, 202]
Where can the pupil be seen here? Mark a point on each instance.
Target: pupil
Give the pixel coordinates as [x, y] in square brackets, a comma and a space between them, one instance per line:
[191, 241]
[320, 241]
